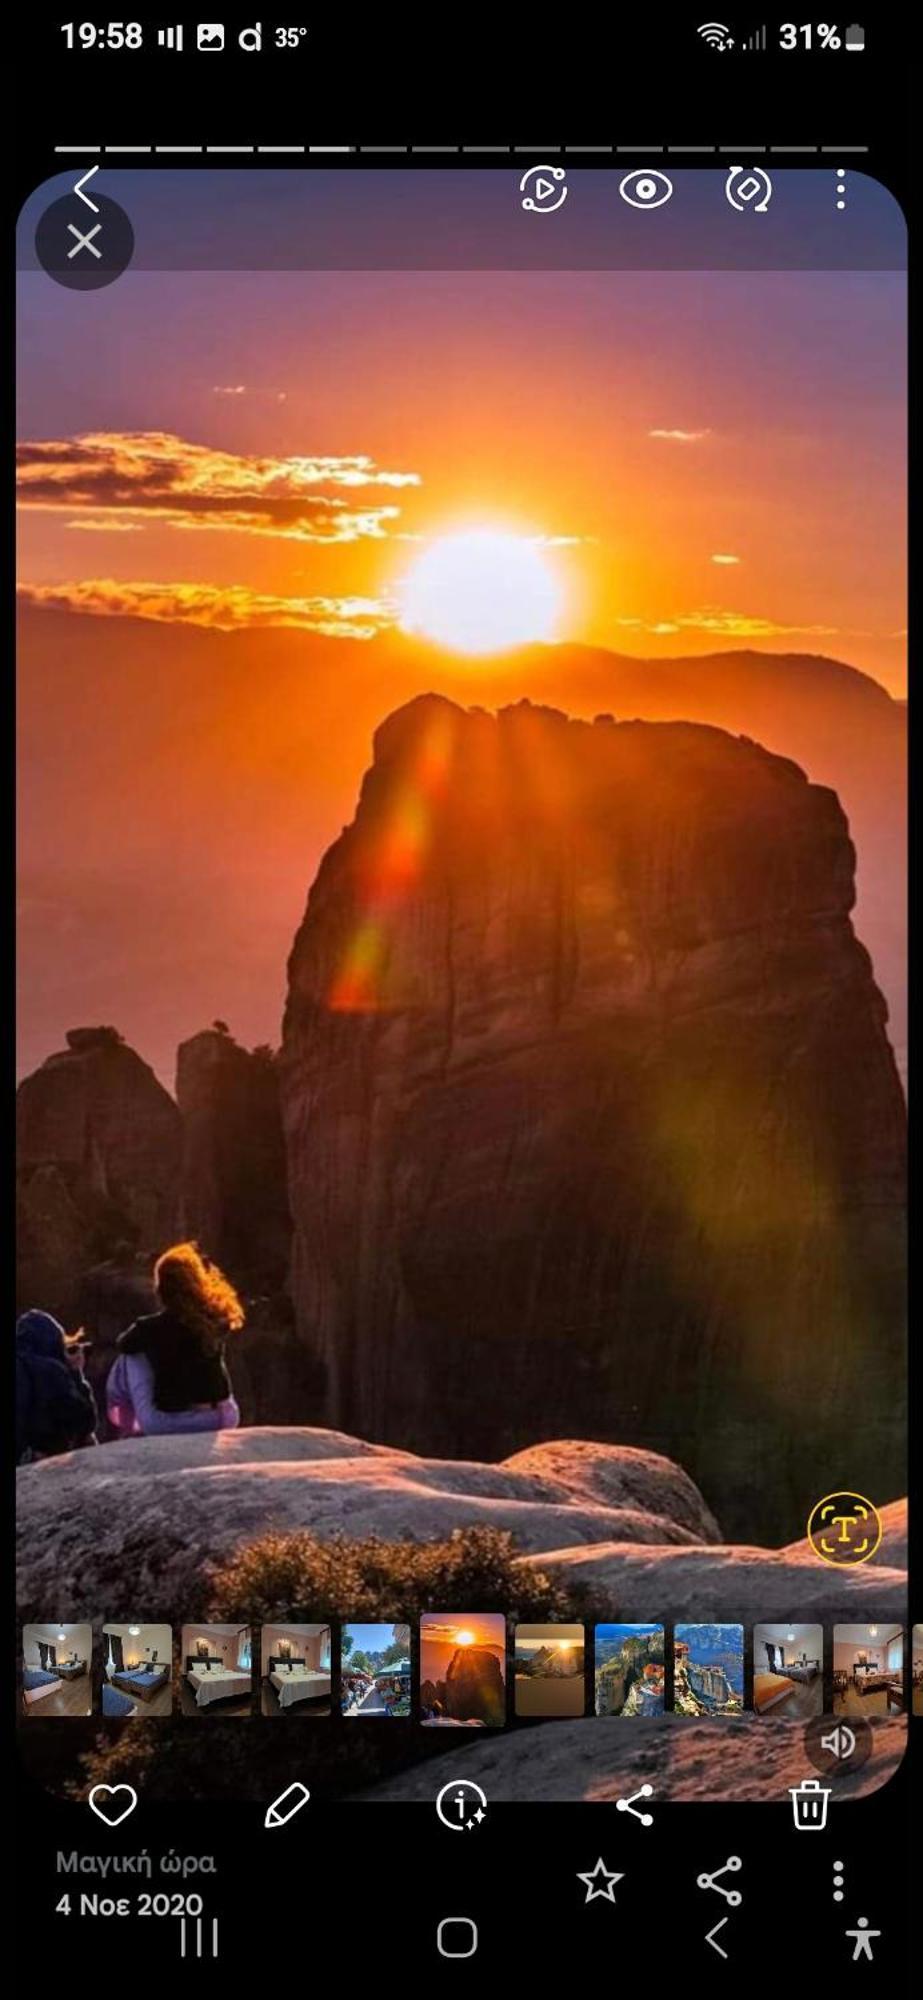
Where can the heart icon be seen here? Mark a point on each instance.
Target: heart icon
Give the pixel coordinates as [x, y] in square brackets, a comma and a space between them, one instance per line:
[113, 1803]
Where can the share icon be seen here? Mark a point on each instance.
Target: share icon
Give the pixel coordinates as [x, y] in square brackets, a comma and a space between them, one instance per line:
[731, 1896]
[628, 1805]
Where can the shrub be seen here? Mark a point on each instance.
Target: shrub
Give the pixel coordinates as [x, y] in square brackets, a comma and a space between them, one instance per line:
[297, 1577]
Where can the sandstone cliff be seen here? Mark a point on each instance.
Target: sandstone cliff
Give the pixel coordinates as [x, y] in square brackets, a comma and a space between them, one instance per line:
[98, 1144]
[591, 1115]
[233, 1173]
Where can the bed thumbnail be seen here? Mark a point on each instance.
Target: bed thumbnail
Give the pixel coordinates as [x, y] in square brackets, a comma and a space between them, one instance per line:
[548, 1670]
[295, 1670]
[709, 1669]
[629, 1670]
[788, 1671]
[375, 1674]
[137, 1671]
[216, 1673]
[868, 1670]
[463, 1670]
[57, 1669]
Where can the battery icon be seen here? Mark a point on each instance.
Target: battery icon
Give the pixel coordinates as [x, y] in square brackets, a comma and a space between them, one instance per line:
[855, 37]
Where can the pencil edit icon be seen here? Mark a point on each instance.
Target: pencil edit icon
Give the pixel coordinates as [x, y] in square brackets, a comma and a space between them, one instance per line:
[287, 1805]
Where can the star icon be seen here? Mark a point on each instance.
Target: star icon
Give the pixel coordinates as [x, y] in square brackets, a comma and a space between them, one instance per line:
[600, 1881]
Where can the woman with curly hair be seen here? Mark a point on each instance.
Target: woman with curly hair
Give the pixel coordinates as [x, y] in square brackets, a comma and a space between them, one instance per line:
[170, 1374]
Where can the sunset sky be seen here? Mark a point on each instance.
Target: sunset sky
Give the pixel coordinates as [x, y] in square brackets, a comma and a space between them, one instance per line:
[704, 458]
[441, 1637]
[658, 463]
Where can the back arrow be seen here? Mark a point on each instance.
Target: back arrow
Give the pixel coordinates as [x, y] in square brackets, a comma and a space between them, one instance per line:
[710, 1939]
[80, 185]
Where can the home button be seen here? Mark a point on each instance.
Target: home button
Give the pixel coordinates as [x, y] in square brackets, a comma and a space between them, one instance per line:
[457, 1937]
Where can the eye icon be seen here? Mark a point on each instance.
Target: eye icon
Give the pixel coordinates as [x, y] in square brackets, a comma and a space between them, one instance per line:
[645, 189]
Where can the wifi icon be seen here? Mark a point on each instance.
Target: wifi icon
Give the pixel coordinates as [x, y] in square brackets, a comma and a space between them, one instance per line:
[716, 35]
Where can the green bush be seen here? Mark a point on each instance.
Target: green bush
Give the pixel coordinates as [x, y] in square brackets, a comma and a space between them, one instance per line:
[297, 1577]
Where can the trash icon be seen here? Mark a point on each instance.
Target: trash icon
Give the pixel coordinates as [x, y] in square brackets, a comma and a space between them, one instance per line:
[809, 1805]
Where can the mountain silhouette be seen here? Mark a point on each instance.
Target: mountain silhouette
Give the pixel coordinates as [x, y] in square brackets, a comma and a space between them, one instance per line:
[214, 767]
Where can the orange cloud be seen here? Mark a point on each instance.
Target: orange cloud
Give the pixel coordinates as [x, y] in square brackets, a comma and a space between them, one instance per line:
[229, 610]
[135, 476]
[729, 625]
[680, 437]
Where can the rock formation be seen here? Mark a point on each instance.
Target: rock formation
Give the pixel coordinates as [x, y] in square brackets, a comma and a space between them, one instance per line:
[98, 1155]
[140, 1520]
[591, 1115]
[233, 1176]
[474, 1688]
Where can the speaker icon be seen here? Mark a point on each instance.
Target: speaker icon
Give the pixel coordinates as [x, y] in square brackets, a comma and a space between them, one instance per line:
[841, 1741]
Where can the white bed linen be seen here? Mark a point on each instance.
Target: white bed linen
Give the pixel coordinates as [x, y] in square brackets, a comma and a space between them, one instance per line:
[217, 1683]
[301, 1684]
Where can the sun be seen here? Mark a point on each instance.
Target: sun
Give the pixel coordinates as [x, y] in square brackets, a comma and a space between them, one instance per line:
[464, 1638]
[481, 592]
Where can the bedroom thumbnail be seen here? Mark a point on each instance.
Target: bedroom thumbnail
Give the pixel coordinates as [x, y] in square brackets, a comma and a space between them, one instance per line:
[629, 1670]
[57, 1669]
[295, 1670]
[788, 1671]
[216, 1670]
[463, 1670]
[548, 1669]
[375, 1671]
[137, 1671]
[868, 1670]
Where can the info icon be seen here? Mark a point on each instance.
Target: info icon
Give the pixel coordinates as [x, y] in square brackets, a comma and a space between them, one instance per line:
[844, 1529]
[836, 1746]
[461, 1805]
[84, 246]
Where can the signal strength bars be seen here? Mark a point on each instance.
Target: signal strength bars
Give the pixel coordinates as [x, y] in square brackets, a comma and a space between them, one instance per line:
[755, 41]
[170, 38]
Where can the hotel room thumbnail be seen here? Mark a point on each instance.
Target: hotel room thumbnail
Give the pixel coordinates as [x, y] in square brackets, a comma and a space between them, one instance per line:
[295, 1670]
[216, 1673]
[868, 1670]
[137, 1671]
[57, 1670]
[788, 1671]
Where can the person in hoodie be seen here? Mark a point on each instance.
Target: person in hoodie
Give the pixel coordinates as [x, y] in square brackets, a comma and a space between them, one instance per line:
[170, 1374]
[55, 1405]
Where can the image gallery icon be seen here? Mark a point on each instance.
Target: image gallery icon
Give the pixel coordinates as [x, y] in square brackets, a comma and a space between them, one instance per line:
[210, 36]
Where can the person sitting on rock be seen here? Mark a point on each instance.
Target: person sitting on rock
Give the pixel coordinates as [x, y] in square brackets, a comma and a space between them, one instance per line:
[55, 1406]
[170, 1373]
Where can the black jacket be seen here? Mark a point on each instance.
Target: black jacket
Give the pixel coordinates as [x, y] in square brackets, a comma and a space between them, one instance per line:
[55, 1407]
[186, 1372]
